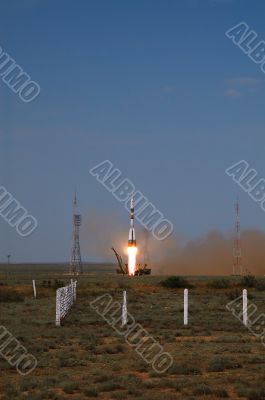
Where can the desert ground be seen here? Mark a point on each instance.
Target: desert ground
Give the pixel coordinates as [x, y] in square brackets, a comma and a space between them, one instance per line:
[215, 356]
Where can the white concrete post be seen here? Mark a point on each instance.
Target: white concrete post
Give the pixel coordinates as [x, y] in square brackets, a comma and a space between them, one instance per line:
[75, 284]
[124, 310]
[245, 307]
[72, 287]
[58, 308]
[186, 302]
[34, 288]
[73, 291]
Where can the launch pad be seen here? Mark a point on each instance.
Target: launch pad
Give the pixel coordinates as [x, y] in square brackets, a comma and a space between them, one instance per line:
[123, 268]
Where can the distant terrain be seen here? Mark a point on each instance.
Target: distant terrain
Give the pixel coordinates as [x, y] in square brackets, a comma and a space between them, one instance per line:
[215, 356]
[39, 268]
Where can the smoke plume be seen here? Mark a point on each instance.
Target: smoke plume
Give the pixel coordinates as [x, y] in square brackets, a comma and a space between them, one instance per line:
[210, 254]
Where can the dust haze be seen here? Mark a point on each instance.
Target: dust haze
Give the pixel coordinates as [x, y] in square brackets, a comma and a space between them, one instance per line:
[209, 254]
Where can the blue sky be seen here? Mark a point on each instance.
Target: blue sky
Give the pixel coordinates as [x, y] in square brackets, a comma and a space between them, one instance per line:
[154, 86]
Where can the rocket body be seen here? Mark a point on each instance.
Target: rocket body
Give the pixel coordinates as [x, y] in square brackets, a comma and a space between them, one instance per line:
[132, 249]
[132, 239]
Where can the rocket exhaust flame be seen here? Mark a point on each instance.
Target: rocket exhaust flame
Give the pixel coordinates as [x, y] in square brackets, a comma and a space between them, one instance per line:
[132, 260]
[132, 249]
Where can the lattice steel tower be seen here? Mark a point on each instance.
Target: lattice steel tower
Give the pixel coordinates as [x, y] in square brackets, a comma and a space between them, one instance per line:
[76, 262]
[237, 253]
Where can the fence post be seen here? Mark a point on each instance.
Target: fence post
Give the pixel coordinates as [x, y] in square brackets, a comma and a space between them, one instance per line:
[186, 300]
[34, 288]
[72, 290]
[58, 308]
[124, 310]
[245, 307]
[74, 296]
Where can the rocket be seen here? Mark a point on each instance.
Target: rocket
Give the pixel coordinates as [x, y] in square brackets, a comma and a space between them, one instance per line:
[132, 249]
[132, 239]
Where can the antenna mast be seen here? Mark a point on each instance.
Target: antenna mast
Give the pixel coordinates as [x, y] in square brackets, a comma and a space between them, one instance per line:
[76, 266]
